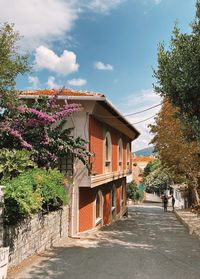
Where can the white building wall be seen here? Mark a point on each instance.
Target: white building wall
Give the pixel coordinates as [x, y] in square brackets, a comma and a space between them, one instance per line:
[79, 122]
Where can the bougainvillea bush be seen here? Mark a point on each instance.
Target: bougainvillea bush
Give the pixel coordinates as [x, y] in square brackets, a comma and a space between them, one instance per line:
[39, 127]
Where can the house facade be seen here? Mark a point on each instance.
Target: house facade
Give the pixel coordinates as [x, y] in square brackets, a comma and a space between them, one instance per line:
[99, 197]
[139, 164]
[181, 195]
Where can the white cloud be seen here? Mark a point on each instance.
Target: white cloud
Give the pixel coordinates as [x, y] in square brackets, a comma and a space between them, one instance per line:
[157, 1]
[140, 99]
[34, 82]
[51, 83]
[101, 66]
[39, 21]
[42, 22]
[77, 82]
[104, 6]
[137, 102]
[48, 59]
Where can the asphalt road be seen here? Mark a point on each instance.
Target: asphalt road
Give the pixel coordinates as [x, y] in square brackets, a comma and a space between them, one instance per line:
[149, 244]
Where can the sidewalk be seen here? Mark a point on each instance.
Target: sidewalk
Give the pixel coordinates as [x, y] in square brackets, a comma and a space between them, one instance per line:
[190, 220]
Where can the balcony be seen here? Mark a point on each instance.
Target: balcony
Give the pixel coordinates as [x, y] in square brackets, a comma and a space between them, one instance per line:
[82, 179]
[99, 179]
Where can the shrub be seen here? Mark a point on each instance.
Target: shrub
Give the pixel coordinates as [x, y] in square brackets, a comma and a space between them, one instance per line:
[33, 191]
[14, 162]
[20, 199]
[50, 184]
[133, 192]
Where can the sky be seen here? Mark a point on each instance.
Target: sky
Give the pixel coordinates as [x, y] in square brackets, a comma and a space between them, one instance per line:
[107, 46]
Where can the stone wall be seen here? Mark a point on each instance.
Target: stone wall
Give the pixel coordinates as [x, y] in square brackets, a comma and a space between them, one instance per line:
[35, 234]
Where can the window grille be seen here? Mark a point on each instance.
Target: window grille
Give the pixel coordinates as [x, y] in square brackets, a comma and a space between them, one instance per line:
[65, 164]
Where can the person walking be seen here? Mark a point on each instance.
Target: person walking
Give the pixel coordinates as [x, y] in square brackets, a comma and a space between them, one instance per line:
[165, 203]
[173, 202]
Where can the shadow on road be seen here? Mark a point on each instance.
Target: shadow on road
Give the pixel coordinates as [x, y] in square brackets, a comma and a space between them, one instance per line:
[147, 244]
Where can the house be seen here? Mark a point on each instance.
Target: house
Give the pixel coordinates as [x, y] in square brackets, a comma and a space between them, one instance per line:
[139, 164]
[181, 195]
[97, 198]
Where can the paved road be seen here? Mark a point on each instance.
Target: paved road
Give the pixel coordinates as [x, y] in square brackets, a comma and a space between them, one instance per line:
[148, 244]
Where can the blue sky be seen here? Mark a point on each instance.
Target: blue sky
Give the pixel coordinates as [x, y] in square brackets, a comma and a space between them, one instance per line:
[107, 46]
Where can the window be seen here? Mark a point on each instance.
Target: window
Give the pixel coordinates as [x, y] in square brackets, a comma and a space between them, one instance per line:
[128, 154]
[98, 214]
[122, 193]
[107, 152]
[113, 196]
[65, 164]
[120, 154]
[113, 201]
[98, 207]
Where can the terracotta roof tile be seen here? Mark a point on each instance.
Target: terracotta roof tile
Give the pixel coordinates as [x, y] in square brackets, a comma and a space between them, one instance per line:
[64, 92]
[143, 159]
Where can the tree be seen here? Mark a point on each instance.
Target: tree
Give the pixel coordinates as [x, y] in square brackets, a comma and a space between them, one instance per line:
[12, 64]
[156, 178]
[133, 192]
[157, 181]
[177, 155]
[178, 76]
[150, 167]
[41, 129]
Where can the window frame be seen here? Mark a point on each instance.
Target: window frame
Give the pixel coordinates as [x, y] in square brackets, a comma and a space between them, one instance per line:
[107, 152]
[113, 201]
[120, 154]
[66, 164]
[98, 219]
[122, 194]
[128, 155]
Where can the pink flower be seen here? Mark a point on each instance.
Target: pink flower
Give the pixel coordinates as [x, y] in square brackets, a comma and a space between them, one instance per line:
[14, 133]
[21, 108]
[67, 110]
[45, 140]
[52, 101]
[43, 116]
[26, 144]
[32, 122]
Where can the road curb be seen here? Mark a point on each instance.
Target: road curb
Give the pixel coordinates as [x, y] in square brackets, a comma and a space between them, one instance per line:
[193, 230]
[182, 221]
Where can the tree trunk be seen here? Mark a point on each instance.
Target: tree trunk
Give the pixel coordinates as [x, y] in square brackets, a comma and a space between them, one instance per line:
[196, 195]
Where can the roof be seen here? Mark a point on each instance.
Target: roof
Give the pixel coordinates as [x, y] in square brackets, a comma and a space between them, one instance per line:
[143, 159]
[60, 92]
[111, 116]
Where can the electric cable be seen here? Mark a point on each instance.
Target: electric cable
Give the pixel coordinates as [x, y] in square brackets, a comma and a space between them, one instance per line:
[144, 119]
[130, 114]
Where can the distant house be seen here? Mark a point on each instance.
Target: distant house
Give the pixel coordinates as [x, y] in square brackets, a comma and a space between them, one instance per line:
[97, 198]
[139, 163]
[180, 193]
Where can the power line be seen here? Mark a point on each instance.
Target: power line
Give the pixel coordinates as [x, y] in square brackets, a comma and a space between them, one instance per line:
[138, 121]
[130, 114]
[143, 120]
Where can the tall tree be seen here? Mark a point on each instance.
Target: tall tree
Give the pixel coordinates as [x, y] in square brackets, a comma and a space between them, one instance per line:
[178, 76]
[12, 62]
[177, 155]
